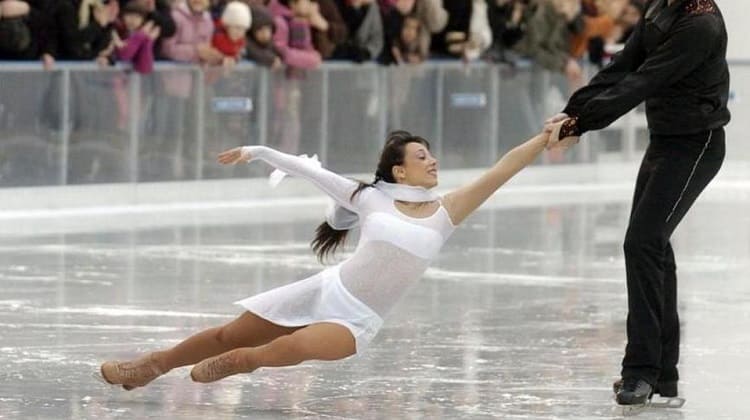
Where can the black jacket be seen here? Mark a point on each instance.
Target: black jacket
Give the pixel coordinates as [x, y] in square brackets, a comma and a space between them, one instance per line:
[72, 42]
[675, 60]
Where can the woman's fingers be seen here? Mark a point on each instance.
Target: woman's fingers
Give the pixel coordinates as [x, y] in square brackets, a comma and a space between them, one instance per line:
[554, 135]
[230, 156]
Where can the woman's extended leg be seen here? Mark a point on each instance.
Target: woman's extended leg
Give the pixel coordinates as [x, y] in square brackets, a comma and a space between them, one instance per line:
[247, 330]
[322, 341]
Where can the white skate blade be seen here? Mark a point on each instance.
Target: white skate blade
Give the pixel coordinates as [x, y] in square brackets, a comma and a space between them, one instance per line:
[668, 402]
[631, 409]
[661, 403]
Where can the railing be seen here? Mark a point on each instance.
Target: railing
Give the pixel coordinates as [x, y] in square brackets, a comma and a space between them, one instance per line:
[80, 124]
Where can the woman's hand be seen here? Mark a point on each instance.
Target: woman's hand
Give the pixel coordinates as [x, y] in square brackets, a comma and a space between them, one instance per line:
[234, 156]
[553, 120]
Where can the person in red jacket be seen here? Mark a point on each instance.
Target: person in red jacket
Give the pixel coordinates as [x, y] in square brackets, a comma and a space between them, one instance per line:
[231, 31]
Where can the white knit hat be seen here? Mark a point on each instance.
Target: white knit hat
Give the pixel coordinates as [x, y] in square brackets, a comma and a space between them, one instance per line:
[237, 13]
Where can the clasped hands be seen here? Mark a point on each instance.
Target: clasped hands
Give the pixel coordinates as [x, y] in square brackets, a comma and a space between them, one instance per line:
[552, 126]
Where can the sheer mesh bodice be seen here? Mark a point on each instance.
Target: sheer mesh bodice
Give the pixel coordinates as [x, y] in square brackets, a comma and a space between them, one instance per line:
[394, 249]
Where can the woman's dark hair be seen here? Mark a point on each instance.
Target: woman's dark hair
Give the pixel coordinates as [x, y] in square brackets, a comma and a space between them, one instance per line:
[327, 239]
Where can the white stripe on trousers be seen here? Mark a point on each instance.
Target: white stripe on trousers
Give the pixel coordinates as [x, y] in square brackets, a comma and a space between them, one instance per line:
[695, 166]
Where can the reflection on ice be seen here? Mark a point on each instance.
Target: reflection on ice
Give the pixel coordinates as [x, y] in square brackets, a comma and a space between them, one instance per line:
[522, 317]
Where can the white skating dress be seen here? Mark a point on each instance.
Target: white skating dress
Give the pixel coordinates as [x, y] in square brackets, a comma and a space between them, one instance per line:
[393, 252]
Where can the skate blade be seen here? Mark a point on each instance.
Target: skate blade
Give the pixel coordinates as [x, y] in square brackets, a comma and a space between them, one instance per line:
[631, 410]
[668, 402]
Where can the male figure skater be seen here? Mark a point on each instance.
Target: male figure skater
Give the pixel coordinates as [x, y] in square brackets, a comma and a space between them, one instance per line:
[675, 60]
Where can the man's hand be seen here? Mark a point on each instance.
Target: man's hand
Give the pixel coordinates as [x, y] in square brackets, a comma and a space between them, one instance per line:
[555, 142]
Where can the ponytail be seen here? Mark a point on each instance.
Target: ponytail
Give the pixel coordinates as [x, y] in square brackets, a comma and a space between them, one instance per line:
[327, 239]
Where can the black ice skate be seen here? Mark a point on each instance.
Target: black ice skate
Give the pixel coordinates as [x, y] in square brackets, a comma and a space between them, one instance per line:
[667, 390]
[633, 396]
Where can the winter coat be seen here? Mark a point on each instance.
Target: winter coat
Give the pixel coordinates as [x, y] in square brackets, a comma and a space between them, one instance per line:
[547, 38]
[337, 33]
[365, 26]
[190, 31]
[262, 54]
[293, 38]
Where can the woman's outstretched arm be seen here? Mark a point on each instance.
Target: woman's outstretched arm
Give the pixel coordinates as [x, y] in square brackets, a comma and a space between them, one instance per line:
[463, 201]
[336, 186]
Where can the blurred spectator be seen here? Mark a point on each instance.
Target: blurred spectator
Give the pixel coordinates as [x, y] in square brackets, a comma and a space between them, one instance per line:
[231, 31]
[467, 33]
[191, 43]
[133, 43]
[137, 46]
[365, 26]
[430, 13]
[160, 14]
[328, 27]
[624, 15]
[15, 34]
[260, 46]
[506, 21]
[598, 26]
[216, 7]
[293, 39]
[27, 31]
[192, 39]
[550, 27]
[627, 20]
[405, 49]
[84, 29]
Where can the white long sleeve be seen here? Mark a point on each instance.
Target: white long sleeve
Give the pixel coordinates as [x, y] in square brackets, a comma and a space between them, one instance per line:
[337, 187]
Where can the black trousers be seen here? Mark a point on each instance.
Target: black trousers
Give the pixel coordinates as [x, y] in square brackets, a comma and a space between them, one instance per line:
[674, 171]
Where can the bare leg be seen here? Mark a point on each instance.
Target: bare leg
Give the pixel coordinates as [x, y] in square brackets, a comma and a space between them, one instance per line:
[248, 330]
[323, 341]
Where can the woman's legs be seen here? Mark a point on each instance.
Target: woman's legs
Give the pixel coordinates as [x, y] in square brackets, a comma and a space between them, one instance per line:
[248, 330]
[322, 341]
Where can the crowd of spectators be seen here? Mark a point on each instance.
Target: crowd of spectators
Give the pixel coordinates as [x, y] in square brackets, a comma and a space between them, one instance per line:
[300, 34]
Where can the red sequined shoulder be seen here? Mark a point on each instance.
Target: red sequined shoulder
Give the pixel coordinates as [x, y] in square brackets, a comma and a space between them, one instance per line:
[700, 7]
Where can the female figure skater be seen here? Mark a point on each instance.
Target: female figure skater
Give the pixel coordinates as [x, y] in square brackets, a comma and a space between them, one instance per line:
[335, 313]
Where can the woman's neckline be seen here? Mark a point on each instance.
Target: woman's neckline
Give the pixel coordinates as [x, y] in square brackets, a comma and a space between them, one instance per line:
[395, 207]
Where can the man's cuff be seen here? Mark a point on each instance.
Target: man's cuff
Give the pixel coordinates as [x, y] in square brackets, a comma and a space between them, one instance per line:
[570, 128]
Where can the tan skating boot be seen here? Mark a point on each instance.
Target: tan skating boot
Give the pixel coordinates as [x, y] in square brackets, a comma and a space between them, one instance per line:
[132, 374]
[218, 367]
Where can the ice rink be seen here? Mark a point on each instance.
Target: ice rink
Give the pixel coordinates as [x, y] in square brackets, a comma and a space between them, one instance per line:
[521, 317]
